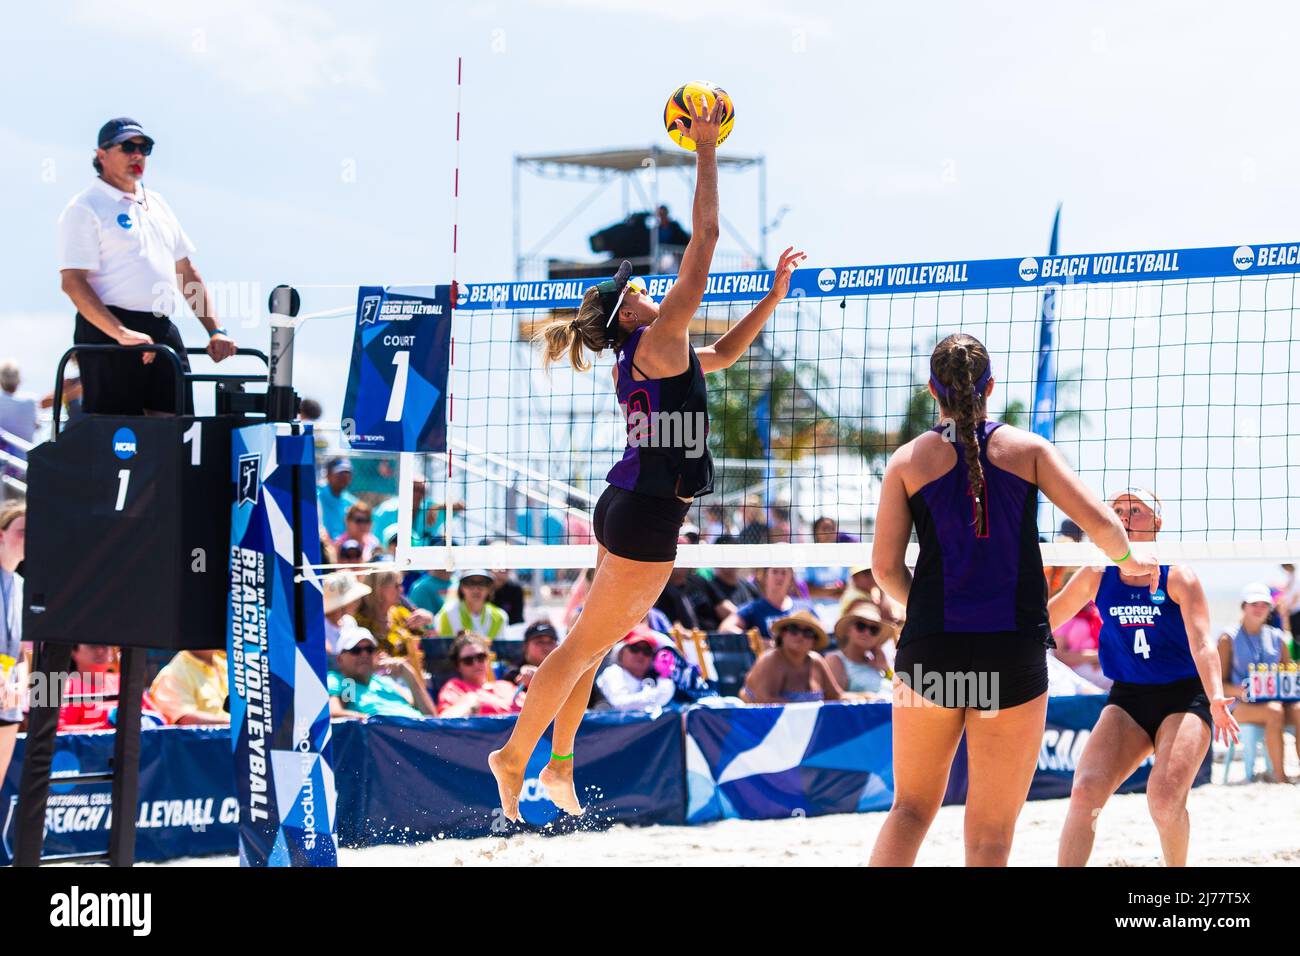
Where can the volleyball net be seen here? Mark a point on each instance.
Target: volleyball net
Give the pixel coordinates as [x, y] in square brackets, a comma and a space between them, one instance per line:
[1174, 370]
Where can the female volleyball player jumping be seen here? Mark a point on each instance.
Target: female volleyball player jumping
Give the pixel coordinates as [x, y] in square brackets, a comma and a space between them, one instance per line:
[972, 655]
[1167, 698]
[658, 378]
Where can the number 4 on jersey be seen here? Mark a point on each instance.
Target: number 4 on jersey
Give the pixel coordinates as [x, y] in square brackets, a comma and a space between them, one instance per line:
[1140, 645]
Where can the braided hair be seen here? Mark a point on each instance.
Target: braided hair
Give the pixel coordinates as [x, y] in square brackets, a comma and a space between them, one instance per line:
[959, 369]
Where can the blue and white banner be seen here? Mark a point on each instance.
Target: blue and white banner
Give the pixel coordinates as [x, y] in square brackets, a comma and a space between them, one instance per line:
[763, 763]
[957, 276]
[396, 397]
[795, 760]
[275, 645]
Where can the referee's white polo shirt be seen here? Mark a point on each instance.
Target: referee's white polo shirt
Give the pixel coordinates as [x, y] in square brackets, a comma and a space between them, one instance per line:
[129, 243]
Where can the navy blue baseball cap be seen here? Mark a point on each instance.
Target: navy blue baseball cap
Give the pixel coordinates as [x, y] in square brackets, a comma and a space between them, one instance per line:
[119, 130]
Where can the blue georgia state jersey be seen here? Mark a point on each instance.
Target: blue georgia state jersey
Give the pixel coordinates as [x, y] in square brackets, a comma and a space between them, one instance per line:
[1143, 641]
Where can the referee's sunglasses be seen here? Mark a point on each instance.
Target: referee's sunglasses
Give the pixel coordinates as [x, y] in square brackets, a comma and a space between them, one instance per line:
[131, 148]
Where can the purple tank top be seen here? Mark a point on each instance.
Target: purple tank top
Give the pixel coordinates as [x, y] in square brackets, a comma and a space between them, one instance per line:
[667, 452]
[970, 578]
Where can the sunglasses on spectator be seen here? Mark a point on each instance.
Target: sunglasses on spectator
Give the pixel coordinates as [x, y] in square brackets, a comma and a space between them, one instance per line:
[644, 649]
[363, 649]
[130, 148]
[361, 520]
[802, 631]
[474, 659]
[865, 626]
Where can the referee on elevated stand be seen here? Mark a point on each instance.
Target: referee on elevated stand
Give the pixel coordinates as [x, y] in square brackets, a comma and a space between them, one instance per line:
[125, 262]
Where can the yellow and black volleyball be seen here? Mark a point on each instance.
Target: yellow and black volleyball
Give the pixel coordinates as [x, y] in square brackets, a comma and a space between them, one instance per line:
[676, 109]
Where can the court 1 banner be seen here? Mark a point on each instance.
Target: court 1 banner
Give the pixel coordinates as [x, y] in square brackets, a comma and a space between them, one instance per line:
[275, 645]
[396, 398]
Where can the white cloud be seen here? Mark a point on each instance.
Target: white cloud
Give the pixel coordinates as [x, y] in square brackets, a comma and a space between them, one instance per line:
[281, 48]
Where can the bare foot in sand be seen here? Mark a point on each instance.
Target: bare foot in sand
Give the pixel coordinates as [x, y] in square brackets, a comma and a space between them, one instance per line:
[510, 780]
[557, 781]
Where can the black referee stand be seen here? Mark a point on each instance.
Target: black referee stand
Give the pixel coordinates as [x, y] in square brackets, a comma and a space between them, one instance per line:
[128, 540]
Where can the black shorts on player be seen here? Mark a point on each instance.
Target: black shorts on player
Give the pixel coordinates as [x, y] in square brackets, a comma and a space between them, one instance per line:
[638, 527]
[1150, 704]
[986, 670]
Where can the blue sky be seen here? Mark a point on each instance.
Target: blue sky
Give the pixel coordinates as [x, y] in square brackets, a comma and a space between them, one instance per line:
[311, 142]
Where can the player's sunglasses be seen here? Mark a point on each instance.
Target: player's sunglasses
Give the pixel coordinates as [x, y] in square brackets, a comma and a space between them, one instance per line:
[474, 659]
[131, 148]
[612, 292]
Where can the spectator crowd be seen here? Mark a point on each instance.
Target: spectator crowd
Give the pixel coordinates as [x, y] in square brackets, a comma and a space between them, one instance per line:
[432, 643]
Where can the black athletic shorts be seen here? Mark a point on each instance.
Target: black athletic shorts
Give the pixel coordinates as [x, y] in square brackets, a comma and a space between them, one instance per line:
[639, 527]
[1150, 704]
[980, 670]
[121, 384]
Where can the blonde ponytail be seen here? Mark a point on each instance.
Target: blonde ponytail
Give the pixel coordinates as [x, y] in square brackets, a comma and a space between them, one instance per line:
[563, 337]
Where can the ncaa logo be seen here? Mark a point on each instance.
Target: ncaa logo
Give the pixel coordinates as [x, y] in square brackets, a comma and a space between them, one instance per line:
[370, 309]
[124, 446]
[826, 280]
[1243, 258]
[124, 221]
[250, 478]
[1029, 268]
[462, 294]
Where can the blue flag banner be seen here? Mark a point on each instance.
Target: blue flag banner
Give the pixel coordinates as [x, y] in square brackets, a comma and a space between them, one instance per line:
[957, 276]
[275, 647]
[1044, 413]
[396, 398]
[763, 421]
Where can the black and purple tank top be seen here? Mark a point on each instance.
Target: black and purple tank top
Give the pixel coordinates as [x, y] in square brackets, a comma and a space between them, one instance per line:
[667, 453]
[973, 578]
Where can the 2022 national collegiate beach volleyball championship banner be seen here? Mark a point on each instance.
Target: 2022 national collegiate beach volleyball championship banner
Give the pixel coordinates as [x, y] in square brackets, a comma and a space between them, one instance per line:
[971, 274]
[279, 705]
[396, 397]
